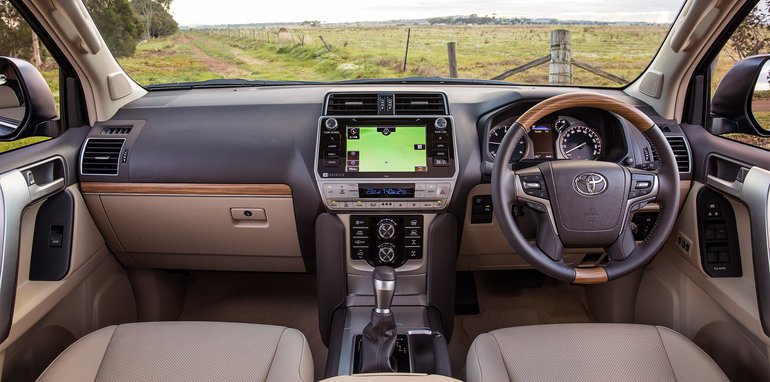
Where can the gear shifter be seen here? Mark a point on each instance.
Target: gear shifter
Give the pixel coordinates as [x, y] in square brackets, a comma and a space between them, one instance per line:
[378, 339]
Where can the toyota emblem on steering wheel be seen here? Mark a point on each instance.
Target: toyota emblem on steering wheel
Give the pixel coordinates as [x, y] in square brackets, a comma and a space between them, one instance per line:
[590, 183]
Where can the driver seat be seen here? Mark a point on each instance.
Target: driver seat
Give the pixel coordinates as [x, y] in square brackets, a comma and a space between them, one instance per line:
[588, 352]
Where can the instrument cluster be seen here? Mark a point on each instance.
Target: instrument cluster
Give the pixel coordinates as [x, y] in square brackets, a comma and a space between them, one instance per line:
[554, 137]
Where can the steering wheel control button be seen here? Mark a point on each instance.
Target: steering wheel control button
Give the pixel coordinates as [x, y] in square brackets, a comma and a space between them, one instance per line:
[534, 185]
[536, 206]
[642, 185]
[531, 185]
[386, 253]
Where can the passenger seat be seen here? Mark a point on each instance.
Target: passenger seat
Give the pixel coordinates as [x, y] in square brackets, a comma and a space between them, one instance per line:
[185, 351]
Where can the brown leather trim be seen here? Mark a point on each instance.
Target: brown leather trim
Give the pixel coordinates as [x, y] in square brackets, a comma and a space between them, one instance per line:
[185, 189]
[585, 99]
[597, 275]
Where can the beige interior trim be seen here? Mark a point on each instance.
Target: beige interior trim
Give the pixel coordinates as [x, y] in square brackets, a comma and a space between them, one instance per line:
[200, 231]
[185, 188]
[34, 299]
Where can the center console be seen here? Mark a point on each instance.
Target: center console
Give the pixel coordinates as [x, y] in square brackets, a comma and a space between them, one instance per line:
[386, 171]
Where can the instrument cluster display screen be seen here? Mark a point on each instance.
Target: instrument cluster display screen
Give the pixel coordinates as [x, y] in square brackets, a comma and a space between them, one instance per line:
[542, 140]
[386, 149]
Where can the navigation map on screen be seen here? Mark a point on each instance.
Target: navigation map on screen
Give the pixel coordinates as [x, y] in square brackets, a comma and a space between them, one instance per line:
[386, 149]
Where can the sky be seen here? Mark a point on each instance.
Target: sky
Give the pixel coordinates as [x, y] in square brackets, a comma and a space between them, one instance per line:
[198, 12]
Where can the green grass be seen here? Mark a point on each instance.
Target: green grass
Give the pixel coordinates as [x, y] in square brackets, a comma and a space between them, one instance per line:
[12, 145]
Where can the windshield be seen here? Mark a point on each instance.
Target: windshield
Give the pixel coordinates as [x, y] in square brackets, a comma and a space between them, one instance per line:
[546, 42]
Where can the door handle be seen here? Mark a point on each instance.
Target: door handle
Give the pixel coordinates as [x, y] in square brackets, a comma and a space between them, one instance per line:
[733, 188]
[37, 191]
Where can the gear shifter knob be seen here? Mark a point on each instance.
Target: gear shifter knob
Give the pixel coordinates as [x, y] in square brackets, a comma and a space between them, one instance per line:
[384, 280]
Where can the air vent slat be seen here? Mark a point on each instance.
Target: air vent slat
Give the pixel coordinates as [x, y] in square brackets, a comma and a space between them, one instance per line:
[116, 130]
[352, 104]
[420, 104]
[681, 152]
[101, 156]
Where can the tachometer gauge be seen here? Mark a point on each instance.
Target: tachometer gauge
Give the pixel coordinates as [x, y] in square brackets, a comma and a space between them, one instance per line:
[580, 143]
[496, 135]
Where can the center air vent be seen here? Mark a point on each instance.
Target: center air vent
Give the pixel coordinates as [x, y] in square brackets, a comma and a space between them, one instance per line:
[352, 104]
[101, 156]
[681, 152]
[420, 104]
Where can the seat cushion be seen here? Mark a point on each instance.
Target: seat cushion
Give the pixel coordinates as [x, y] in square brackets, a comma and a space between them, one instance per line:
[588, 352]
[185, 351]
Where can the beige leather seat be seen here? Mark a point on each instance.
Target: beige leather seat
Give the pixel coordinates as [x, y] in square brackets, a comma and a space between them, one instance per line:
[588, 352]
[185, 351]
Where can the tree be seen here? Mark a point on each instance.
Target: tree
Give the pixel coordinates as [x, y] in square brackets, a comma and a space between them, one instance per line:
[117, 23]
[753, 35]
[155, 19]
[15, 34]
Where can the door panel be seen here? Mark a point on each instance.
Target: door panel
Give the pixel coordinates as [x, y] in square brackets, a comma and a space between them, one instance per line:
[44, 311]
[721, 314]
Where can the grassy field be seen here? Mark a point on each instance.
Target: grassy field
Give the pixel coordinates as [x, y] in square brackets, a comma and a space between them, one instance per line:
[483, 52]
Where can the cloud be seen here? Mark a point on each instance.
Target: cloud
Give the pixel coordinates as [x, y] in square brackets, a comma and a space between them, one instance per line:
[192, 12]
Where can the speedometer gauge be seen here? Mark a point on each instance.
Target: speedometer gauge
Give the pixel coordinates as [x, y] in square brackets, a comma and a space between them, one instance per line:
[496, 135]
[580, 143]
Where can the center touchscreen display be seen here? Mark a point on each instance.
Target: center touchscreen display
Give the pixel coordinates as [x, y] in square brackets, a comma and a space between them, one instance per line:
[386, 149]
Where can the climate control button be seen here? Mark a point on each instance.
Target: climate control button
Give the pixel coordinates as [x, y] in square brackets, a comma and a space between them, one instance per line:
[386, 229]
[386, 253]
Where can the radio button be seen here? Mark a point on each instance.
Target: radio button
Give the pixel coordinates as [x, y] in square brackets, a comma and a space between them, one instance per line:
[441, 154]
[334, 162]
[440, 146]
[440, 162]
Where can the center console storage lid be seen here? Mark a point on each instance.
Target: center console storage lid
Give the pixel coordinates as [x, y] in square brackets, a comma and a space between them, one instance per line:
[385, 377]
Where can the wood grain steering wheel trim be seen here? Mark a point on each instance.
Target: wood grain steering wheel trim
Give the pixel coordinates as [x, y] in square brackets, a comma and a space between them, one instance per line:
[583, 99]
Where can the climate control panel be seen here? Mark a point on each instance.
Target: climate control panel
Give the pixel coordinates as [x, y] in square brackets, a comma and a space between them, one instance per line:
[386, 240]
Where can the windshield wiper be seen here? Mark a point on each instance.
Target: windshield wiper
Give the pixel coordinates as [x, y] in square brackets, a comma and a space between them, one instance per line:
[423, 80]
[224, 83]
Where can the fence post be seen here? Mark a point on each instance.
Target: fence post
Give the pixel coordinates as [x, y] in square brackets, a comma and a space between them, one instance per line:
[560, 69]
[451, 50]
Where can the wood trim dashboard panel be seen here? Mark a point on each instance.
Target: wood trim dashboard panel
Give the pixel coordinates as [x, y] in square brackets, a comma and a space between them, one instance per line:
[186, 189]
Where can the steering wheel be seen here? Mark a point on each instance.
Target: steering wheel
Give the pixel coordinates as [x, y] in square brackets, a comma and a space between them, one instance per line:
[585, 204]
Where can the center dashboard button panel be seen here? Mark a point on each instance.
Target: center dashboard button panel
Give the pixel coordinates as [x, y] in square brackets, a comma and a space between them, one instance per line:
[387, 158]
[386, 240]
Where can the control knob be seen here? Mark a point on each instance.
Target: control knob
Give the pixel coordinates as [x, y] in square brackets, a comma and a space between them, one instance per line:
[386, 252]
[440, 123]
[386, 229]
[331, 124]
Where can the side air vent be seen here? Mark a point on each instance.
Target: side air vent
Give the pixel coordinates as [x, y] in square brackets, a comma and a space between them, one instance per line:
[352, 104]
[681, 152]
[420, 104]
[101, 156]
[116, 130]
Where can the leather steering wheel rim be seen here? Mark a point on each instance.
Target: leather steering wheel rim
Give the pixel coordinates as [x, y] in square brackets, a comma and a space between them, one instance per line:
[506, 187]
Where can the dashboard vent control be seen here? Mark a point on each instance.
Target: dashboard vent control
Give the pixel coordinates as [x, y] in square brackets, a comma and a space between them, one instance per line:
[420, 104]
[352, 104]
[681, 152]
[116, 130]
[101, 156]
